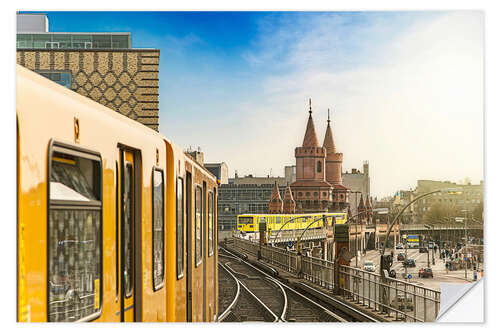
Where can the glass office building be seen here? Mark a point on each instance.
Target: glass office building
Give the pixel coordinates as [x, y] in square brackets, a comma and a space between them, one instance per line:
[67, 40]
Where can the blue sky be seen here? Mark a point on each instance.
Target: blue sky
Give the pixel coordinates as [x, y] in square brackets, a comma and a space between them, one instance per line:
[396, 82]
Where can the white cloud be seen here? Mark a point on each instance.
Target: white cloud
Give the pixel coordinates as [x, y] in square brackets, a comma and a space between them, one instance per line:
[411, 103]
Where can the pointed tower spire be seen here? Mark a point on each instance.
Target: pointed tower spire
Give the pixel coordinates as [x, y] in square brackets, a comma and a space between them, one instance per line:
[288, 202]
[275, 204]
[361, 207]
[310, 139]
[328, 141]
[368, 205]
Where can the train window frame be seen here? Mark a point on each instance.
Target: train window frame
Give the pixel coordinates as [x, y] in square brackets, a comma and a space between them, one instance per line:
[126, 168]
[179, 231]
[117, 230]
[57, 147]
[198, 244]
[210, 215]
[160, 285]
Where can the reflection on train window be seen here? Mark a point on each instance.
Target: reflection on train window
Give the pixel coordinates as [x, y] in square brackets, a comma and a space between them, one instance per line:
[128, 206]
[158, 230]
[199, 214]
[180, 227]
[210, 224]
[74, 239]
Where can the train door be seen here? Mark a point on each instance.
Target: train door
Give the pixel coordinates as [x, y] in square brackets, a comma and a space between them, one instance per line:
[204, 251]
[128, 262]
[189, 296]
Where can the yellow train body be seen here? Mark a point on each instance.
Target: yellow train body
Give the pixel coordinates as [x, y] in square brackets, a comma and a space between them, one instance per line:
[114, 221]
[250, 222]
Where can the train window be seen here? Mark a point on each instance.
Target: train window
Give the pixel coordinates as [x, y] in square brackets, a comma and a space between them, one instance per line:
[180, 227]
[210, 223]
[158, 230]
[74, 274]
[128, 204]
[198, 232]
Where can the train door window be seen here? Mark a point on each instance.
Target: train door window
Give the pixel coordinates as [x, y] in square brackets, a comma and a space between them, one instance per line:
[158, 230]
[128, 206]
[198, 232]
[180, 227]
[210, 223]
[74, 263]
[117, 229]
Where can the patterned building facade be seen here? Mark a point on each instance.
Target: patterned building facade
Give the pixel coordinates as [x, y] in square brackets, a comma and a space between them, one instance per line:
[124, 80]
[99, 65]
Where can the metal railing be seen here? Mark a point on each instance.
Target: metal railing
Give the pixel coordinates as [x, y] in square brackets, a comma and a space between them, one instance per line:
[318, 271]
[395, 298]
[286, 260]
[246, 245]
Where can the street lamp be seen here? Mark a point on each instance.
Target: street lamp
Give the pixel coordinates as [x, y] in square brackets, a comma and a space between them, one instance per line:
[428, 248]
[357, 223]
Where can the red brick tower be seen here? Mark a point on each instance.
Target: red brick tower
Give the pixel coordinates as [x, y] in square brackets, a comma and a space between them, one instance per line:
[333, 169]
[276, 204]
[310, 190]
[288, 202]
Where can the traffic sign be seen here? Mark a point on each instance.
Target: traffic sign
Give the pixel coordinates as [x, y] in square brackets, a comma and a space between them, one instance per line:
[409, 276]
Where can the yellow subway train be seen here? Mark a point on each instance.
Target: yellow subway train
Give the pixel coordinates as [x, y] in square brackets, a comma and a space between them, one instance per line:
[114, 221]
[250, 222]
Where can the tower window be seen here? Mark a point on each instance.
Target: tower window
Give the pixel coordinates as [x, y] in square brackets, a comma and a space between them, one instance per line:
[319, 166]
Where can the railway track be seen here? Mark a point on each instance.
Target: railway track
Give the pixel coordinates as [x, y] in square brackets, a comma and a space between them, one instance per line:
[286, 304]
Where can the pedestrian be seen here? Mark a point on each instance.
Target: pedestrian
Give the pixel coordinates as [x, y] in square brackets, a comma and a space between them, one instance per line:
[447, 268]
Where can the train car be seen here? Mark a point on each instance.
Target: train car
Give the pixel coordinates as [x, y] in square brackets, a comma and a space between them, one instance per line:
[250, 222]
[106, 229]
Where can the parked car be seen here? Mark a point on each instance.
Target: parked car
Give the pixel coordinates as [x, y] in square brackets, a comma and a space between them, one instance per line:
[401, 256]
[423, 250]
[425, 273]
[402, 303]
[399, 246]
[409, 262]
[369, 266]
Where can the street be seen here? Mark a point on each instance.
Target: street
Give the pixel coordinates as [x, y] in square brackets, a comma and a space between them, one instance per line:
[439, 269]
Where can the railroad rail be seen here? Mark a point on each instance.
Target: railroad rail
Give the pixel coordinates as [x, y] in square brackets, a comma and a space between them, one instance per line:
[287, 304]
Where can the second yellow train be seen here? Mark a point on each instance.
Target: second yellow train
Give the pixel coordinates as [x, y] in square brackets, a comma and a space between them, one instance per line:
[275, 222]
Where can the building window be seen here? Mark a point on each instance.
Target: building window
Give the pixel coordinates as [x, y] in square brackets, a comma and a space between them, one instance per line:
[61, 77]
[74, 265]
[308, 194]
[324, 194]
[158, 230]
[300, 194]
[319, 166]
[315, 194]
